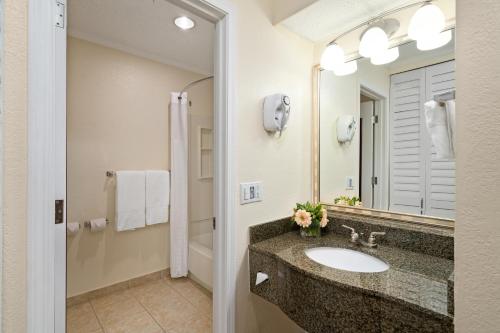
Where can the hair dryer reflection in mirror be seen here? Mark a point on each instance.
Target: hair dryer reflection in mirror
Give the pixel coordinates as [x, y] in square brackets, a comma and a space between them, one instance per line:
[346, 127]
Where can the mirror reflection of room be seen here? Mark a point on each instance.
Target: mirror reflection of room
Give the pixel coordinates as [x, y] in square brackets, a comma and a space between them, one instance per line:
[386, 130]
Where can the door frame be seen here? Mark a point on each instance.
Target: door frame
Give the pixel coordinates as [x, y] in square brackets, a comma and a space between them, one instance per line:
[380, 145]
[46, 257]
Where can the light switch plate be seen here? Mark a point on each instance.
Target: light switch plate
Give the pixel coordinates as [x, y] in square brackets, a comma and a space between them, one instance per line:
[250, 192]
[349, 183]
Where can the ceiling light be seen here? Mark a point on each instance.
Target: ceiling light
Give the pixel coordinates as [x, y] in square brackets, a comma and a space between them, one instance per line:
[386, 57]
[184, 23]
[427, 21]
[373, 41]
[332, 57]
[346, 68]
[433, 42]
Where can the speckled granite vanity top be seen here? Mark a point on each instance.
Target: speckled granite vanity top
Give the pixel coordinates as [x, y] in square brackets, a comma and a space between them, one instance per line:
[413, 279]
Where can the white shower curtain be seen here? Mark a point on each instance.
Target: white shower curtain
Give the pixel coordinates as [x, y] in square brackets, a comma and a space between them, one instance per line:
[179, 186]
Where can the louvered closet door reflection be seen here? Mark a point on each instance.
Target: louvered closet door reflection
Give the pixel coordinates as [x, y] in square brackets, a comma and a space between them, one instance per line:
[407, 165]
[440, 173]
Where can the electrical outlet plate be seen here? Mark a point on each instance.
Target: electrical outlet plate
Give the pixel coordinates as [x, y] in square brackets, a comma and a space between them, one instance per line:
[250, 192]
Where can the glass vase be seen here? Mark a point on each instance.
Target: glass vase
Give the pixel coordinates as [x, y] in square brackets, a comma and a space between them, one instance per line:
[310, 232]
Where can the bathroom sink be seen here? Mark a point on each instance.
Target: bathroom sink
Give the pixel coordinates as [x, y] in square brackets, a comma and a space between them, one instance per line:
[347, 260]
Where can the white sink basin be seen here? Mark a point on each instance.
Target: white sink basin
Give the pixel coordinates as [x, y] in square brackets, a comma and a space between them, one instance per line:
[347, 260]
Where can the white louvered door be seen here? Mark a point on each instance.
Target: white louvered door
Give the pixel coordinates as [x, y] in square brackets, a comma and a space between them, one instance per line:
[440, 180]
[407, 166]
[420, 183]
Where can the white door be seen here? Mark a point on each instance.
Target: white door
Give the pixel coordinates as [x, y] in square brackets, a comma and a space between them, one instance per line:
[407, 158]
[440, 173]
[367, 156]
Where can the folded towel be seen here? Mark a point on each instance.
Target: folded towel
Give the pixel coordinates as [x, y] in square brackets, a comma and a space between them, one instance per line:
[440, 127]
[157, 196]
[130, 200]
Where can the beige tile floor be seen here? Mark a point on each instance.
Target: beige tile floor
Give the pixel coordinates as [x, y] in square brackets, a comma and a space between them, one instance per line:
[162, 306]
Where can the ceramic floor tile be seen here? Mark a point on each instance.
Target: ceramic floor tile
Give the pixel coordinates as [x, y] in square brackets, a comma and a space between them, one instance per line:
[172, 311]
[121, 313]
[82, 319]
[193, 293]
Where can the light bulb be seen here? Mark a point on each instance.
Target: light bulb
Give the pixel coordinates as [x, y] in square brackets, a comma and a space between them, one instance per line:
[387, 57]
[332, 57]
[184, 23]
[374, 41]
[427, 21]
[346, 68]
[434, 41]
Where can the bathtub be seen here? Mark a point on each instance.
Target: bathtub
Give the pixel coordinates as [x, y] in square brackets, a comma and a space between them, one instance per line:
[200, 259]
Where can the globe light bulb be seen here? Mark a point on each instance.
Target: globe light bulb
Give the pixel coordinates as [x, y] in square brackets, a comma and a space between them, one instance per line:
[332, 57]
[386, 57]
[427, 21]
[434, 41]
[346, 68]
[374, 41]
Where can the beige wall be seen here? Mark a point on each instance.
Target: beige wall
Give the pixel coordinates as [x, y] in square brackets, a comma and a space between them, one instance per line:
[269, 60]
[14, 167]
[117, 120]
[477, 233]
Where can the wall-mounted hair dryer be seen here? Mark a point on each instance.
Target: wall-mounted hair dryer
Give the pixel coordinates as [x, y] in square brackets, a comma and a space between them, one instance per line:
[276, 112]
[346, 127]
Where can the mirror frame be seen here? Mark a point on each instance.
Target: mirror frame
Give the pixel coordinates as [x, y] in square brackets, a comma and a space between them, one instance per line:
[367, 212]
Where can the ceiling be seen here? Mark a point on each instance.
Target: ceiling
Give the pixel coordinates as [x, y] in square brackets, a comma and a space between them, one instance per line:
[144, 28]
[325, 19]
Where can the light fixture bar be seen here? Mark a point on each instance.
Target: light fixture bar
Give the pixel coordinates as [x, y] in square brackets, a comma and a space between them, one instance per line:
[380, 16]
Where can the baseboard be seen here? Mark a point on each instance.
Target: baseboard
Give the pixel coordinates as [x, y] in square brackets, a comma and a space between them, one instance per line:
[87, 296]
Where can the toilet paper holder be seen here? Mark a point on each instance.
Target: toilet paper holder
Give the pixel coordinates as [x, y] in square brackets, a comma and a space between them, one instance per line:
[86, 224]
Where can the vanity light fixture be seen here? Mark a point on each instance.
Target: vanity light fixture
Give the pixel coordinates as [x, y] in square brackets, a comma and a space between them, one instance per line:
[184, 23]
[426, 27]
[385, 57]
[374, 41]
[434, 42]
[332, 57]
[427, 21]
[346, 68]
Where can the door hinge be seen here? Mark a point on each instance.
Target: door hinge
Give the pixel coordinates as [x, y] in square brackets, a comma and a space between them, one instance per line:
[374, 119]
[374, 180]
[59, 213]
[421, 206]
[60, 14]
[213, 223]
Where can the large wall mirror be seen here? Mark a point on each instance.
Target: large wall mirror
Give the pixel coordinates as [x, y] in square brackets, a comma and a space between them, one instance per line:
[385, 134]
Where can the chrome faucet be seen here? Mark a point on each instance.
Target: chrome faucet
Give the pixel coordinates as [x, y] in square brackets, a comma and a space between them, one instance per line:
[371, 240]
[354, 234]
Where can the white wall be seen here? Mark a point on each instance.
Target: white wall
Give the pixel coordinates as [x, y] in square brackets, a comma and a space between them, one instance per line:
[340, 95]
[477, 227]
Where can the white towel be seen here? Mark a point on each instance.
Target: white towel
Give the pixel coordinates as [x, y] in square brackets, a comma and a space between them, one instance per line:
[130, 200]
[157, 196]
[440, 125]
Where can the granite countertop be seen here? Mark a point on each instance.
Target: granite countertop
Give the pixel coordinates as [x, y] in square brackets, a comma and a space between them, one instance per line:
[413, 279]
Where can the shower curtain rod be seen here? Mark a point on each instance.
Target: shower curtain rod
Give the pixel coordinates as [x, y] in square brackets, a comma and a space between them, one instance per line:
[193, 83]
